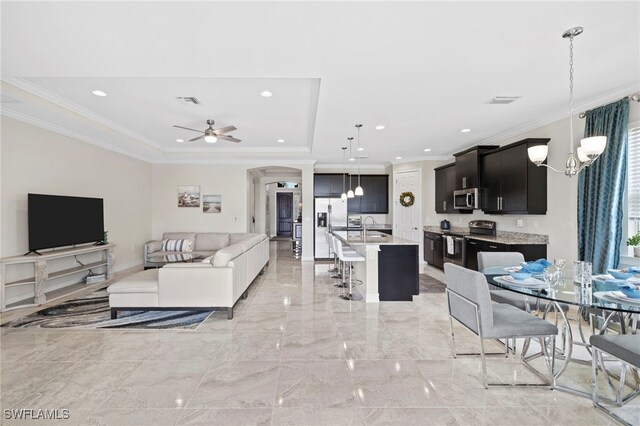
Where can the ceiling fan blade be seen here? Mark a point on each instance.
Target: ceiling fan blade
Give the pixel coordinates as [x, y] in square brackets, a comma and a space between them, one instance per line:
[195, 139]
[186, 128]
[224, 130]
[228, 138]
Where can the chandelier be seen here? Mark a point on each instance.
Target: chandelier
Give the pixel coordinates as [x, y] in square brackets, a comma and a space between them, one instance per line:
[589, 149]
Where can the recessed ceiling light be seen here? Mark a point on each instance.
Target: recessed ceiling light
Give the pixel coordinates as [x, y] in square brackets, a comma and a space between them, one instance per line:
[361, 149]
[380, 127]
[179, 140]
[99, 93]
[427, 149]
[352, 159]
[266, 94]
[280, 140]
[465, 130]
[398, 158]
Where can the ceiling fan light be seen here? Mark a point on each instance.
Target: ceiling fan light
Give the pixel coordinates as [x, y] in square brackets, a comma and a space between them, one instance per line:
[594, 145]
[537, 154]
[359, 192]
[350, 194]
[210, 139]
[582, 156]
[343, 197]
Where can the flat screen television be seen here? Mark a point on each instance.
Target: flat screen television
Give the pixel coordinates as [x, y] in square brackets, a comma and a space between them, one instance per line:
[56, 221]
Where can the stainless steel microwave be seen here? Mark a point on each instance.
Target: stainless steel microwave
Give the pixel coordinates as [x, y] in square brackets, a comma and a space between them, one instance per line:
[466, 199]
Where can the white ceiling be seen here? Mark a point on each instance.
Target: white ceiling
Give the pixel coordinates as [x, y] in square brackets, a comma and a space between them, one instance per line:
[425, 70]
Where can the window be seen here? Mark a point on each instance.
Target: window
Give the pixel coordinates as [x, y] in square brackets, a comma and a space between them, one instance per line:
[633, 183]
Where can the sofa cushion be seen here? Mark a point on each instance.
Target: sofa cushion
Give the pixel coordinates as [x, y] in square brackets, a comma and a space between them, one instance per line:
[239, 236]
[177, 245]
[225, 255]
[179, 236]
[140, 282]
[211, 240]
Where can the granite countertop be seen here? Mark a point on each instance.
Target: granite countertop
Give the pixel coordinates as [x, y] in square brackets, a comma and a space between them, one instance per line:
[358, 238]
[503, 237]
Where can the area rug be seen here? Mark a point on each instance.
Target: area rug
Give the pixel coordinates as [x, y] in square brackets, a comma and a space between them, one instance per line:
[92, 311]
[428, 284]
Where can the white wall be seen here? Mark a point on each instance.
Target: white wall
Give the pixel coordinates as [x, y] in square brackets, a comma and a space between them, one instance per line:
[229, 181]
[40, 161]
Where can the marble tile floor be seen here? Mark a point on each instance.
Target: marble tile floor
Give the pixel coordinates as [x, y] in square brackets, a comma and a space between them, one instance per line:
[294, 354]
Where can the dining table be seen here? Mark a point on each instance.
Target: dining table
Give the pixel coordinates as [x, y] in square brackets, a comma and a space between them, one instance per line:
[598, 306]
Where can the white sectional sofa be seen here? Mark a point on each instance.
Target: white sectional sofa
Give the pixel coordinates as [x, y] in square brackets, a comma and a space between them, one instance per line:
[215, 282]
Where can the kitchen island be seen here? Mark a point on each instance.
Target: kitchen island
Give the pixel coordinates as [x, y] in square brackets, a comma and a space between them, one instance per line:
[390, 270]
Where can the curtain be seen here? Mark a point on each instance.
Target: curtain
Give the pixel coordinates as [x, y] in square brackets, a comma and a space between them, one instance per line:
[601, 188]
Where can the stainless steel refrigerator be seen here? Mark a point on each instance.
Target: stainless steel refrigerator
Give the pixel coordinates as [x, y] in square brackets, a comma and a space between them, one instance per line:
[329, 212]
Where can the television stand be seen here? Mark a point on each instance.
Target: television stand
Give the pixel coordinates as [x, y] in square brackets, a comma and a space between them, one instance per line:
[45, 269]
[32, 251]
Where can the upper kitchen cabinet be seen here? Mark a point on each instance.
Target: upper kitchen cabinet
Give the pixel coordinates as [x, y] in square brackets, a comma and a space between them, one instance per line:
[468, 166]
[376, 195]
[445, 185]
[511, 184]
[328, 185]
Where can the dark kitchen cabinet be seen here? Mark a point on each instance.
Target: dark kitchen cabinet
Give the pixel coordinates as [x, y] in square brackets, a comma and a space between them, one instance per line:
[328, 185]
[376, 195]
[511, 184]
[445, 185]
[468, 166]
[473, 247]
[471, 254]
[433, 247]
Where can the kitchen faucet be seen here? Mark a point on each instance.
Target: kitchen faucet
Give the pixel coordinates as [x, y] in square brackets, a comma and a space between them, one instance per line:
[372, 220]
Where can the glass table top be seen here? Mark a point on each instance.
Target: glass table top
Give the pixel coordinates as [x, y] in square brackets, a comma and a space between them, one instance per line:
[566, 291]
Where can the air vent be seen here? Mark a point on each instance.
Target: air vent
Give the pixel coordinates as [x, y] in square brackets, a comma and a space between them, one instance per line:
[188, 100]
[501, 100]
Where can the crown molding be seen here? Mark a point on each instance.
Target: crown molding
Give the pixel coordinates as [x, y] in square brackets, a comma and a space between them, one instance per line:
[41, 92]
[240, 150]
[341, 166]
[249, 162]
[7, 112]
[603, 99]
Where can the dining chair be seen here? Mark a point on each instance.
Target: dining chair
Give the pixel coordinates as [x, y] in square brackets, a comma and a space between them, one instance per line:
[469, 303]
[624, 348]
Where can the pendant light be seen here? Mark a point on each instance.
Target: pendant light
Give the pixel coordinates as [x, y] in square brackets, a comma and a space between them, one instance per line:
[343, 197]
[589, 149]
[359, 192]
[350, 193]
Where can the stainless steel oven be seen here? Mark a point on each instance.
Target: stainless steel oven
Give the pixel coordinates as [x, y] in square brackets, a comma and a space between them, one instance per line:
[453, 249]
[466, 199]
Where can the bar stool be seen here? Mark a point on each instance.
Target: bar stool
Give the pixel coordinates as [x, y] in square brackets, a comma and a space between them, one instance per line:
[335, 270]
[348, 258]
[335, 242]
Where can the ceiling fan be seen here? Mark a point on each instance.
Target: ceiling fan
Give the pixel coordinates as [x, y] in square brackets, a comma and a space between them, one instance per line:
[212, 135]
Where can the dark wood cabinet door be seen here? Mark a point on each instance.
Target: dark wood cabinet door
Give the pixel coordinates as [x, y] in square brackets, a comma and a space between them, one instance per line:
[438, 253]
[488, 246]
[367, 201]
[513, 185]
[471, 253]
[491, 166]
[441, 190]
[336, 185]
[428, 250]
[322, 185]
[380, 194]
[467, 170]
[451, 186]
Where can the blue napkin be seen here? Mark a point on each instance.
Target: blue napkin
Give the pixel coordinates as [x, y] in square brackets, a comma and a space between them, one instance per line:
[613, 285]
[544, 262]
[532, 268]
[635, 269]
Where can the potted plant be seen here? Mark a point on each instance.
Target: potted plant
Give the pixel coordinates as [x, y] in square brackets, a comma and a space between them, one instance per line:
[634, 242]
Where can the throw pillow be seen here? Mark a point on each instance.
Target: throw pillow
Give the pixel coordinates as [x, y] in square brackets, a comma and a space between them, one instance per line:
[177, 245]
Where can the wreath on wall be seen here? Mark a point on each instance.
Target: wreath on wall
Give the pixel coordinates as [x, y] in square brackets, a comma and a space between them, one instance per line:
[407, 199]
